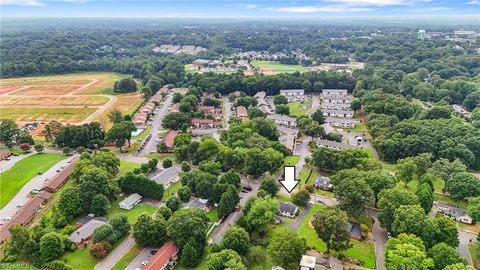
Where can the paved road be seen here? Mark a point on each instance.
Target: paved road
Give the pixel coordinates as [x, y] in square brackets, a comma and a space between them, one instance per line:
[294, 225]
[302, 150]
[219, 232]
[315, 104]
[156, 124]
[116, 254]
[380, 238]
[36, 182]
[144, 255]
[465, 239]
[7, 164]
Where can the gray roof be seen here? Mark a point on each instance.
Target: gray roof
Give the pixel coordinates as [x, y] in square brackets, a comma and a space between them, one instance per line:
[453, 211]
[288, 140]
[340, 120]
[334, 144]
[336, 97]
[335, 105]
[288, 208]
[203, 131]
[86, 230]
[322, 181]
[286, 130]
[281, 117]
[332, 91]
[338, 111]
[260, 94]
[132, 199]
[355, 230]
[166, 174]
[202, 61]
[291, 90]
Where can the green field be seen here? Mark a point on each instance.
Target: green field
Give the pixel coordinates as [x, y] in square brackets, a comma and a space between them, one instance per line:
[300, 108]
[363, 251]
[279, 67]
[12, 180]
[44, 114]
[127, 166]
[291, 160]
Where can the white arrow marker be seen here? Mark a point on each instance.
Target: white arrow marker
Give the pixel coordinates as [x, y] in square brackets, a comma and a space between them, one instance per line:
[289, 183]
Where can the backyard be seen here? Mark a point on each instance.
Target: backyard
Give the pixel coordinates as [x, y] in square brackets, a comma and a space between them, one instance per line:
[300, 108]
[12, 180]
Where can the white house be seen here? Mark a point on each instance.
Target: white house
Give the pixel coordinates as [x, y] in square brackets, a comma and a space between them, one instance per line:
[455, 213]
[283, 120]
[342, 92]
[335, 106]
[130, 201]
[341, 122]
[288, 210]
[308, 262]
[338, 113]
[293, 95]
[336, 98]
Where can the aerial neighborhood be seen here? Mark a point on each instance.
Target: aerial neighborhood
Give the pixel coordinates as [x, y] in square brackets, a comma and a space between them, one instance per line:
[228, 145]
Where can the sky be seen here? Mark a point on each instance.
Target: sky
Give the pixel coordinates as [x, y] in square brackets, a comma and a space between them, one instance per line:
[236, 8]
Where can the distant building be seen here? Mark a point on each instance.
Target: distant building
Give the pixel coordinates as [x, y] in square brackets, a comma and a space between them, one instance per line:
[242, 112]
[338, 113]
[455, 213]
[293, 95]
[59, 180]
[130, 202]
[205, 123]
[334, 98]
[421, 34]
[342, 92]
[165, 258]
[83, 234]
[465, 34]
[167, 176]
[283, 120]
[203, 132]
[308, 262]
[333, 144]
[288, 209]
[335, 106]
[169, 139]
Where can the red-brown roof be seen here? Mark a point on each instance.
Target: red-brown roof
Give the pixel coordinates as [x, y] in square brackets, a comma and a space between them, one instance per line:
[202, 121]
[162, 257]
[60, 178]
[170, 137]
[4, 153]
[242, 111]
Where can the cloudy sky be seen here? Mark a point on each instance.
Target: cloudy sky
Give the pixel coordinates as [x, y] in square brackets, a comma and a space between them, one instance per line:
[235, 8]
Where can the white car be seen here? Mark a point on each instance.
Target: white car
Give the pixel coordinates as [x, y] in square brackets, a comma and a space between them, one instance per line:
[144, 263]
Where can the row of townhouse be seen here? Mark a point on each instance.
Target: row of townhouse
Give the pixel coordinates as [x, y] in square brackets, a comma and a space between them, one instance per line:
[216, 113]
[341, 122]
[141, 117]
[262, 104]
[283, 120]
[338, 113]
[294, 95]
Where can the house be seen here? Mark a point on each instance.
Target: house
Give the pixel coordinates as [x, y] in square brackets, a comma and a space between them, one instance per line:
[283, 120]
[288, 209]
[205, 123]
[293, 95]
[333, 144]
[84, 233]
[342, 92]
[455, 213]
[165, 258]
[203, 132]
[59, 180]
[200, 63]
[4, 153]
[335, 106]
[341, 122]
[167, 176]
[242, 112]
[175, 108]
[169, 139]
[323, 183]
[260, 94]
[307, 262]
[288, 137]
[334, 98]
[216, 113]
[140, 120]
[130, 201]
[338, 113]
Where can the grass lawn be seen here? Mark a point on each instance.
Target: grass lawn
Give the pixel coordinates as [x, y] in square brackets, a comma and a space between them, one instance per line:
[291, 160]
[475, 255]
[133, 213]
[213, 215]
[363, 251]
[300, 108]
[127, 166]
[438, 195]
[171, 190]
[46, 114]
[80, 259]
[279, 67]
[361, 127]
[127, 258]
[144, 134]
[12, 180]
[284, 198]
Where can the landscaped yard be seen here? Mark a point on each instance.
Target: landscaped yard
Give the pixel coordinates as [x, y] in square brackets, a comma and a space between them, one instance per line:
[363, 251]
[300, 108]
[437, 195]
[127, 166]
[133, 213]
[213, 215]
[143, 134]
[12, 180]
[80, 259]
[291, 160]
[171, 190]
[279, 67]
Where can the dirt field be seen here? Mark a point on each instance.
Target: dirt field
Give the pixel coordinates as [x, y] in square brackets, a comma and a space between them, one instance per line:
[71, 98]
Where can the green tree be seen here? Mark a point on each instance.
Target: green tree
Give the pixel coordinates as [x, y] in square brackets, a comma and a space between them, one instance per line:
[425, 196]
[474, 208]
[19, 239]
[184, 194]
[269, 184]
[104, 233]
[407, 169]
[58, 265]
[174, 203]
[186, 224]
[378, 181]
[231, 178]
[186, 167]
[282, 109]
[448, 232]
[463, 185]
[120, 225]
[458, 266]
[389, 201]
[228, 201]
[406, 251]
[301, 198]
[318, 117]
[211, 167]
[51, 246]
[150, 232]
[330, 224]
[100, 205]
[278, 99]
[286, 249]
[225, 259]
[39, 148]
[70, 203]
[126, 85]
[115, 116]
[237, 239]
[444, 255]
[165, 212]
[261, 212]
[8, 130]
[446, 170]
[191, 253]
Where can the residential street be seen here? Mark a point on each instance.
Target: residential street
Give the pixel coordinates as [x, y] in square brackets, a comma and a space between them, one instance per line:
[302, 150]
[36, 182]
[380, 238]
[112, 258]
[7, 164]
[315, 104]
[218, 233]
[144, 255]
[465, 239]
[226, 111]
[156, 124]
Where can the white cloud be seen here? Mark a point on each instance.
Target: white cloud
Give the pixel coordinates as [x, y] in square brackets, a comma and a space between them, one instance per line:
[21, 2]
[437, 8]
[251, 6]
[317, 9]
[379, 3]
[474, 2]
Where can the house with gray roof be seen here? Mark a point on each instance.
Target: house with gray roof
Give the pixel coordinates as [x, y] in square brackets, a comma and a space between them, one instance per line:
[343, 92]
[338, 113]
[283, 120]
[288, 209]
[130, 201]
[341, 122]
[84, 233]
[293, 95]
[455, 213]
[333, 144]
[167, 176]
[323, 183]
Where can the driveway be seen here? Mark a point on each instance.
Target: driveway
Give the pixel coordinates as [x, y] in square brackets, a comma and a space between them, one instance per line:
[466, 238]
[116, 254]
[302, 150]
[37, 181]
[156, 124]
[7, 164]
[295, 224]
[144, 255]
